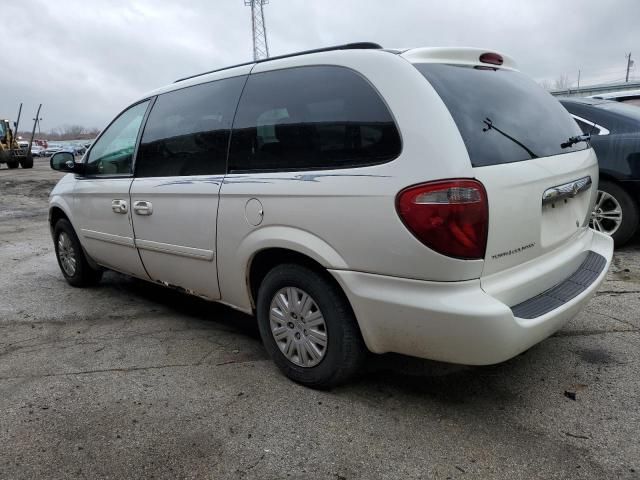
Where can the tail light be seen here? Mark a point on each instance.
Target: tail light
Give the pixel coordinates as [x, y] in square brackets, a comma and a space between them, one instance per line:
[450, 216]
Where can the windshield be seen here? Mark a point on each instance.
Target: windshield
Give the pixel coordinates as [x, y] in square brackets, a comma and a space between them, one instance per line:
[2, 133]
[503, 115]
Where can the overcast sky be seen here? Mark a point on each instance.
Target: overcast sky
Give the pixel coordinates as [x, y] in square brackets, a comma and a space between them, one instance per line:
[85, 60]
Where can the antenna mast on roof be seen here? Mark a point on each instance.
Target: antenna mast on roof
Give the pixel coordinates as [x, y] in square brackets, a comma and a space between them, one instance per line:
[260, 45]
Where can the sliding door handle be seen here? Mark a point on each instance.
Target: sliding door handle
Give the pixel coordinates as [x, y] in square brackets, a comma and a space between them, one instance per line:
[142, 207]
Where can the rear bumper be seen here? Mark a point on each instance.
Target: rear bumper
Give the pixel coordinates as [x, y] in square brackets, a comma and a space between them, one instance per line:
[460, 322]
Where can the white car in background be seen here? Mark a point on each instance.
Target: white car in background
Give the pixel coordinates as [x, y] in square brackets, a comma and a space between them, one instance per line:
[432, 202]
[51, 149]
[37, 151]
[631, 97]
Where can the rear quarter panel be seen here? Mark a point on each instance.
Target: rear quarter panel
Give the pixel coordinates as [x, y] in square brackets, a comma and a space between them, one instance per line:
[351, 211]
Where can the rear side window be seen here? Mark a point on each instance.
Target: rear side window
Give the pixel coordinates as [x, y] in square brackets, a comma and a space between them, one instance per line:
[503, 116]
[614, 116]
[317, 117]
[188, 130]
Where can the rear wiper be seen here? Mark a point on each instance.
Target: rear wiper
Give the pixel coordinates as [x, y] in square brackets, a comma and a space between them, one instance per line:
[577, 139]
[490, 126]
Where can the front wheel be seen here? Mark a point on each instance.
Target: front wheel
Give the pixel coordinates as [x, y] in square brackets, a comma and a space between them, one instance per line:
[308, 327]
[615, 213]
[13, 163]
[71, 258]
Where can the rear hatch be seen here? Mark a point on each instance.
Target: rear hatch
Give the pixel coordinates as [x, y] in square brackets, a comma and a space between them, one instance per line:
[539, 185]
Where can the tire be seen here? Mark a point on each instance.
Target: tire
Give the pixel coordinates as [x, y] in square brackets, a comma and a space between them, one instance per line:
[66, 243]
[27, 162]
[344, 350]
[611, 198]
[13, 163]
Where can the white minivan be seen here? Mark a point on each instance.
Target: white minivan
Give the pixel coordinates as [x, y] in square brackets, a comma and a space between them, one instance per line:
[432, 202]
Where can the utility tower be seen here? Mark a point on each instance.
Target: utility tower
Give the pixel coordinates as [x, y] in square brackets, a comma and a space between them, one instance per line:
[260, 45]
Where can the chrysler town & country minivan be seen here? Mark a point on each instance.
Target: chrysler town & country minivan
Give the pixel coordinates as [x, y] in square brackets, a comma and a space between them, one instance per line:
[432, 202]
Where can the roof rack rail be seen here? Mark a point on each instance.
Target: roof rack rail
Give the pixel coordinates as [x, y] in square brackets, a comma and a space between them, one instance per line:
[346, 46]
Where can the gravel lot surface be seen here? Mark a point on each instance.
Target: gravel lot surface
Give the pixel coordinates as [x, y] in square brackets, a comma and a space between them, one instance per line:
[130, 380]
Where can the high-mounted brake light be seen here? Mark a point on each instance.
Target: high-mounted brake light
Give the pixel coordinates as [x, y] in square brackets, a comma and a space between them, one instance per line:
[491, 58]
[450, 216]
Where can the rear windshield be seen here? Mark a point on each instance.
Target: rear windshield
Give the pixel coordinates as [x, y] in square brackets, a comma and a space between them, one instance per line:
[503, 116]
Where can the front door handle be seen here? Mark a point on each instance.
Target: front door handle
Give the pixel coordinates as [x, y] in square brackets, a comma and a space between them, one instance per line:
[142, 207]
[119, 206]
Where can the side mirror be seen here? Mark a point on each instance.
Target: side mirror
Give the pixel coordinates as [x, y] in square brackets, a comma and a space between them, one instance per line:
[64, 162]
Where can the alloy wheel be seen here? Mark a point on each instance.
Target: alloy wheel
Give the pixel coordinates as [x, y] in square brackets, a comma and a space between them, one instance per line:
[607, 214]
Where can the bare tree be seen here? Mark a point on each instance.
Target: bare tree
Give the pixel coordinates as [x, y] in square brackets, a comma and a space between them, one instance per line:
[73, 131]
[66, 132]
[546, 84]
[562, 82]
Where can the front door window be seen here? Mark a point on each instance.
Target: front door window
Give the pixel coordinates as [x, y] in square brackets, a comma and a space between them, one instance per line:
[112, 154]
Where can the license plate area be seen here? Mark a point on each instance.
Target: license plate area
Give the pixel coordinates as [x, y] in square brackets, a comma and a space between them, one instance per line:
[563, 218]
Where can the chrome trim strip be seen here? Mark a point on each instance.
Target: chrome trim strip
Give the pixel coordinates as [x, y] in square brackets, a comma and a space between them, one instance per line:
[108, 237]
[601, 129]
[567, 190]
[190, 252]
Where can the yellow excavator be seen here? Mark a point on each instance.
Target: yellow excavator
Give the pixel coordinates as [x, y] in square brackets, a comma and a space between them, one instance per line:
[10, 151]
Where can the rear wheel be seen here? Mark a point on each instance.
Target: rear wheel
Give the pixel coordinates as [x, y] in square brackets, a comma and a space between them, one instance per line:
[13, 163]
[615, 213]
[27, 162]
[71, 258]
[308, 327]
